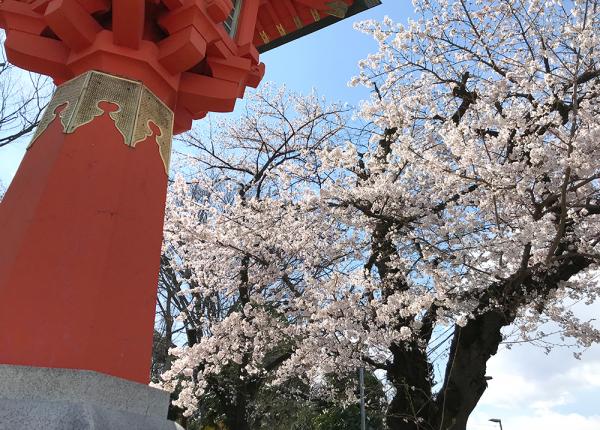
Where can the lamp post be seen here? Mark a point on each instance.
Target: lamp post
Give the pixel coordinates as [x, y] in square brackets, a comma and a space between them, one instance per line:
[81, 223]
[497, 420]
[361, 382]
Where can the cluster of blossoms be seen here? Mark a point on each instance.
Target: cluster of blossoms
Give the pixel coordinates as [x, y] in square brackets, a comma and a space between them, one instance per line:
[467, 198]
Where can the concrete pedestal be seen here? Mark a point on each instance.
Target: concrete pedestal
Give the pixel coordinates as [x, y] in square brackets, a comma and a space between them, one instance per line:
[61, 399]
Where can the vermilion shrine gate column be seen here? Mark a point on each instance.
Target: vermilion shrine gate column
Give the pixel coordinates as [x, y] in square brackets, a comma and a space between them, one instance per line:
[81, 224]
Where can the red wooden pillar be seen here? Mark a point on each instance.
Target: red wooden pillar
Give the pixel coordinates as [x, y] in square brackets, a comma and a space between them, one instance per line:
[81, 232]
[81, 224]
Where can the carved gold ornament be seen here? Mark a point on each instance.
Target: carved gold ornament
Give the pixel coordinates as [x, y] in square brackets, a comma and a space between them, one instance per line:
[337, 8]
[137, 107]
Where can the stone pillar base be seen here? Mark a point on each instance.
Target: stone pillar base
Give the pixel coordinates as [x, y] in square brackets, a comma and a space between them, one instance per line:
[33, 398]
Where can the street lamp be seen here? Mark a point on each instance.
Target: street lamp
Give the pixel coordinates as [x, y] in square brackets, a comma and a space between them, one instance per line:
[497, 420]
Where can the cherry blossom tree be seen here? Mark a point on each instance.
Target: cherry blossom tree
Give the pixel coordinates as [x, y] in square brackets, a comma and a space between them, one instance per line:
[465, 200]
[227, 255]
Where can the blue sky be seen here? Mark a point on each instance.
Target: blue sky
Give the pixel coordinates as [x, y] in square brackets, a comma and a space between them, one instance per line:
[530, 390]
[328, 59]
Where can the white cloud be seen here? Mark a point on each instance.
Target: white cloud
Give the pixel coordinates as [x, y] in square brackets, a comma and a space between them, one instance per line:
[587, 373]
[526, 377]
[531, 390]
[508, 390]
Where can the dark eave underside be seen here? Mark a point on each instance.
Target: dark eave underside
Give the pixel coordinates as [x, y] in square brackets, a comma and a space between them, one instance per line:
[358, 7]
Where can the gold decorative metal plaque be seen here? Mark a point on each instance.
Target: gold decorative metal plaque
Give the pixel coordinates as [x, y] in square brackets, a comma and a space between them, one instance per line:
[337, 8]
[137, 108]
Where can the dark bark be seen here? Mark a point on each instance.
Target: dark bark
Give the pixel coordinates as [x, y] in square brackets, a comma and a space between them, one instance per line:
[238, 413]
[472, 346]
[236, 417]
[418, 408]
[411, 374]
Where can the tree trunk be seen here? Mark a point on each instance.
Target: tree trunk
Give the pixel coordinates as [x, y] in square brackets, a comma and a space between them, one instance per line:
[411, 375]
[414, 406]
[465, 383]
[237, 417]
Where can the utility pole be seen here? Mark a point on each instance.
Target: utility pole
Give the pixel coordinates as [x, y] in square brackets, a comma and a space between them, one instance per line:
[361, 382]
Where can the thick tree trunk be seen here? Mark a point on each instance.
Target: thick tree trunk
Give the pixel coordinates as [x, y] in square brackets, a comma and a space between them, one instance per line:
[241, 413]
[411, 375]
[472, 346]
[414, 408]
[237, 417]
